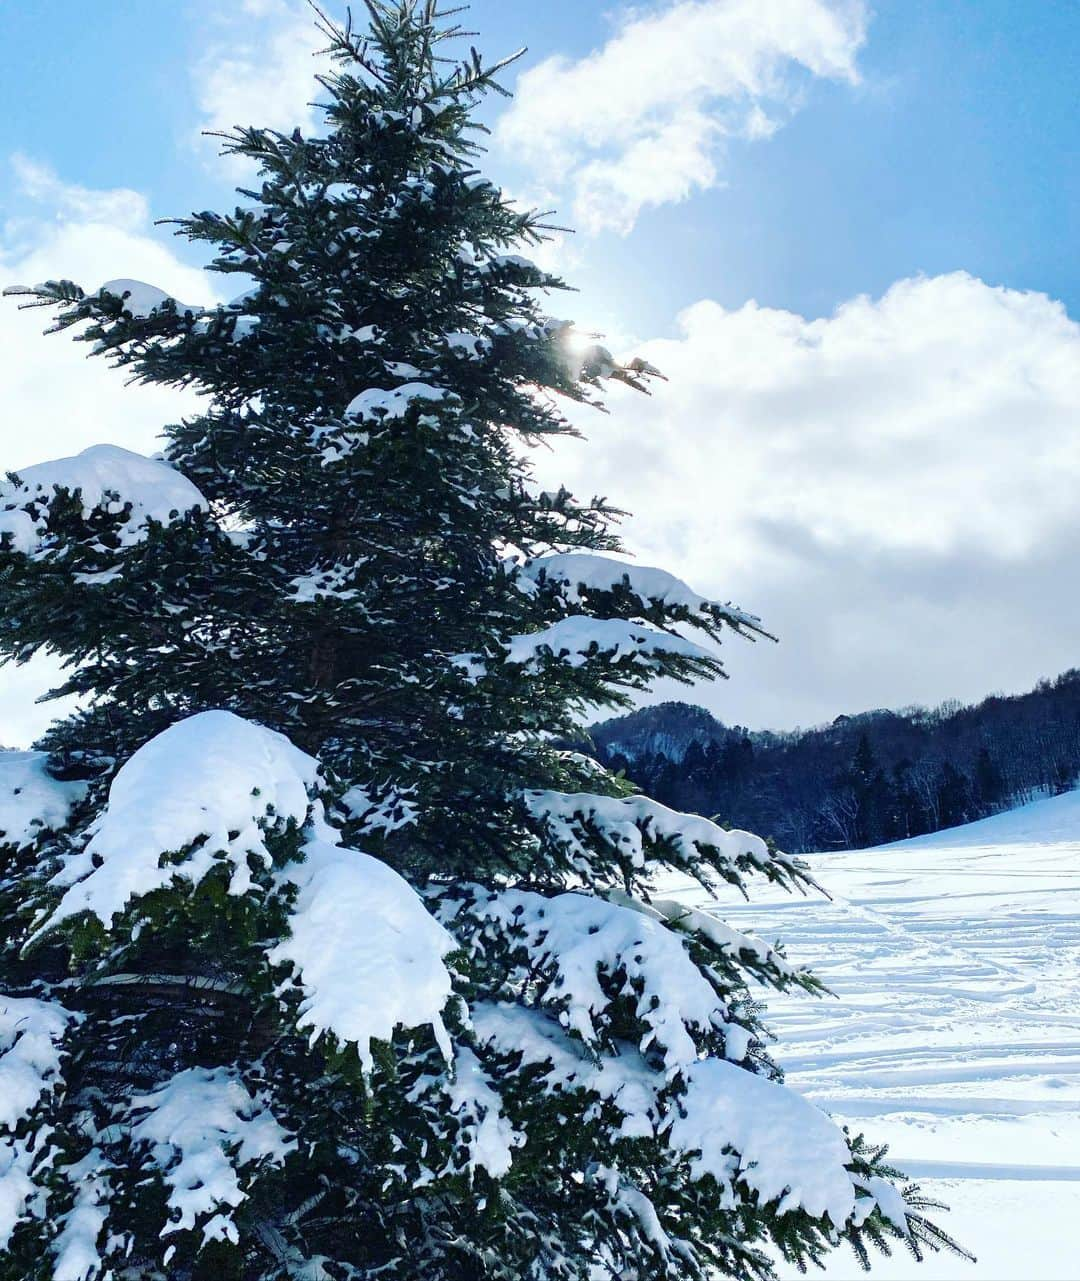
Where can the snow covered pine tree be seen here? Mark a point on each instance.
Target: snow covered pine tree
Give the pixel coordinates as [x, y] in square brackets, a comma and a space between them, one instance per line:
[335, 617]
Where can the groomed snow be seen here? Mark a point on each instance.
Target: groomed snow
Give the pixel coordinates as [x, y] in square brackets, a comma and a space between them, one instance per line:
[367, 954]
[213, 778]
[1049, 821]
[955, 1037]
[106, 478]
[31, 800]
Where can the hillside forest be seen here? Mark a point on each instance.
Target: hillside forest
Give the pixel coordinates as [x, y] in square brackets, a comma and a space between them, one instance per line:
[862, 780]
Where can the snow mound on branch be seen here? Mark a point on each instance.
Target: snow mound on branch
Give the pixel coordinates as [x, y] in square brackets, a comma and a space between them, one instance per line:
[501, 262]
[31, 800]
[577, 640]
[214, 779]
[744, 1128]
[31, 1032]
[575, 939]
[193, 1125]
[581, 573]
[396, 402]
[142, 300]
[632, 823]
[107, 478]
[365, 951]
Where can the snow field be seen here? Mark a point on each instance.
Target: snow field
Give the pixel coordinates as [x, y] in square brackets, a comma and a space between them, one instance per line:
[954, 1034]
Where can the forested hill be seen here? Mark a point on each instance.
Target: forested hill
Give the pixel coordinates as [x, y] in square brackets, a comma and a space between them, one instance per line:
[865, 779]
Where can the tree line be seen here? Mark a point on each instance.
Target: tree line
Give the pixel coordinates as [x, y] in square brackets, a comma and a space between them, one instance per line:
[862, 780]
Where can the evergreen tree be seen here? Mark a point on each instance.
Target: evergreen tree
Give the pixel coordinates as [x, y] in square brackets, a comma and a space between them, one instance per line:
[336, 616]
[864, 764]
[989, 781]
[874, 818]
[954, 796]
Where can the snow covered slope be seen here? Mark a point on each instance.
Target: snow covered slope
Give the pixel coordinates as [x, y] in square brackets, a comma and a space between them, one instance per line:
[955, 1035]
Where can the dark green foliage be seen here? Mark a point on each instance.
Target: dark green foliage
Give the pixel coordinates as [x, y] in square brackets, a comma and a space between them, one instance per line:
[355, 580]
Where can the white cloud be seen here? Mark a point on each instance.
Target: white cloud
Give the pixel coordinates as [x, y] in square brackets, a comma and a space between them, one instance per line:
[119, 207]
[642, 120]
[55, 400]
[259, 69]
[893, 487]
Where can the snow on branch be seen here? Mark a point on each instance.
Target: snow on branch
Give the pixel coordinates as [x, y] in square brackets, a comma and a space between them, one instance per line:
[142, 300]
[580, 575]
[31, 1034]
[104, 478]
[536, 1042]
[76, 1246]
[377, 403]
[738, 1127]
[380, 808]
[578, 639]
[31, 1055]
[210, 786]
[484, 1138]
[767, 964]
[727, 1122]
[20, 1196]
[642, 832]
[366, 955]
[201, 1128]
[574, 945]
[31, 800]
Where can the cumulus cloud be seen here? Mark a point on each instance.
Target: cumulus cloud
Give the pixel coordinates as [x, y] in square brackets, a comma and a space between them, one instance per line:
[259, 68]
[57, 402]
[117, 207]
[55, 399]
[893, 487]
[642, 121]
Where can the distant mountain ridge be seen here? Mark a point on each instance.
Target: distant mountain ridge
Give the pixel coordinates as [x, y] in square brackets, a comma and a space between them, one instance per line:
[666, 729]
[862, 780]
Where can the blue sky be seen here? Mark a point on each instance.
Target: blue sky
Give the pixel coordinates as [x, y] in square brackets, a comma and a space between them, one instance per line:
[956, 150]
[846, 230]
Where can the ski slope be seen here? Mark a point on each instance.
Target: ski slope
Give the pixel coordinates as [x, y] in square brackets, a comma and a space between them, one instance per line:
[954, 1035]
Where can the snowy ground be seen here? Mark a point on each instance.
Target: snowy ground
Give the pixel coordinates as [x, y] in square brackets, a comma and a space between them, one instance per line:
[955, 1037]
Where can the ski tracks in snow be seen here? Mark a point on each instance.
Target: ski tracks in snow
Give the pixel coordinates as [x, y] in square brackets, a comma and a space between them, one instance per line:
[954, 1031]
